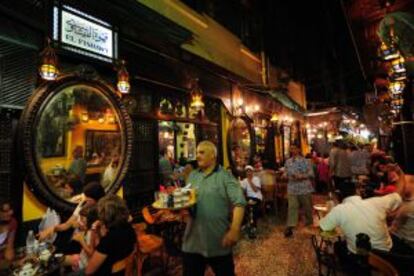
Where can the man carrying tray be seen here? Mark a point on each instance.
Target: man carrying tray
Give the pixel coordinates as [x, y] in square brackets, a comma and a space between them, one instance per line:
[209, 235]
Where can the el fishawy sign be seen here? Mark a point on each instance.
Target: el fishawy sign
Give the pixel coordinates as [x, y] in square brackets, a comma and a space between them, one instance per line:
[78, 31]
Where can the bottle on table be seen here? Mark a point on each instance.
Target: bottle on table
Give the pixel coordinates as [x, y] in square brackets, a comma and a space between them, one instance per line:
[330, 203]
[30, 243]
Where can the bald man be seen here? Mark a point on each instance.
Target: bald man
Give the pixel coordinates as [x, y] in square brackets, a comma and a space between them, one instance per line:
[210, 236]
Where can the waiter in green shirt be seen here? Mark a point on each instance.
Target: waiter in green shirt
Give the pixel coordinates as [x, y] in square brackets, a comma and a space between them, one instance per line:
[210, 235]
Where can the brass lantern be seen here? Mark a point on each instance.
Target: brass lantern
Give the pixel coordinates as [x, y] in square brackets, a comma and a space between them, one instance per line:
[274, 118]
[389, 52]
[123, 79]
[48, 67]
[398, 65]
[396, 87]
[197, 103]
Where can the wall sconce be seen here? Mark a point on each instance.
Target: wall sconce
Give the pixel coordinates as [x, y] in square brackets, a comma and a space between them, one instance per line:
[85, 117]
[101, 119]
[197, 103]
[48, 67]
[123, 79]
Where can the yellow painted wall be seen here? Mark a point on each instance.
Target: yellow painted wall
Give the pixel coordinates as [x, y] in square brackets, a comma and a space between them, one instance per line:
[211, 41]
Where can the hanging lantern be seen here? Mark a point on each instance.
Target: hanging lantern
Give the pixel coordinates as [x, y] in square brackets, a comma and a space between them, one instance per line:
[396, 87]
[398, 65]
[197, 103]
[123, 79]
[274, 118]
[389, 52]
[397, 76]
[48, 67]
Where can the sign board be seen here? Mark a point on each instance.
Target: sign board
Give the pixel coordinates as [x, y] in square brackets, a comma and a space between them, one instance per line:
[81, 33]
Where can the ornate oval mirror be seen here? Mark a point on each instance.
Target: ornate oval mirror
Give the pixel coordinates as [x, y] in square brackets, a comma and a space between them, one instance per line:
[240, 144]
[74, 131]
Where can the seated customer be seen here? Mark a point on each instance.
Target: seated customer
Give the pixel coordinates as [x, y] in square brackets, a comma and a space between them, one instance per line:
[355, 215]
[389, 186]
[8, 227]
[252, 187]
[118, 238]
[87, 237]
[91, 194]
[402, 230]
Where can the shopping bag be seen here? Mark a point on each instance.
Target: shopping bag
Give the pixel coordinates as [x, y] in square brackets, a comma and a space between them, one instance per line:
[50, 219]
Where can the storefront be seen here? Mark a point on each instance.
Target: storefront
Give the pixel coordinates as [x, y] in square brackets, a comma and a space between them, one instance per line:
[81, 120]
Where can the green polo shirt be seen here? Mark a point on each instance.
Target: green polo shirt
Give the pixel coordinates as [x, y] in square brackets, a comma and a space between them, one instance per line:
[216, 193]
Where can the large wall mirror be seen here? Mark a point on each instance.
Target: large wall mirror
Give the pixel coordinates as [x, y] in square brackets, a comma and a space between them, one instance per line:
[74, 131]
[240, 144]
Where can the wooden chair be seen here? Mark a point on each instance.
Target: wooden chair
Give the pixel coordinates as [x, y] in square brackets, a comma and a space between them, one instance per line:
[126, 264]
[381, 266]
[147, 246]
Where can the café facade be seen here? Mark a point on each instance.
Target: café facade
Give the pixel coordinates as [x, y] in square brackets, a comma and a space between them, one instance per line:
[73, 112]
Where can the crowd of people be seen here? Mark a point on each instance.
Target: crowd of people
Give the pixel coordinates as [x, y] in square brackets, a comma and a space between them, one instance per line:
[375, 199]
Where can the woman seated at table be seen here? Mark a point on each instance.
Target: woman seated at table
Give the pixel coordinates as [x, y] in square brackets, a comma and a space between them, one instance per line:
[88, 237]
[118, 238]
[8, 227]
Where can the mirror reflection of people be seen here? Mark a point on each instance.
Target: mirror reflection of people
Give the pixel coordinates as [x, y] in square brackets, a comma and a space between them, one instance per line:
[109, 174]
[92, 192]
[8, 227]
[77, 170]
[209, 235]
[164, 167]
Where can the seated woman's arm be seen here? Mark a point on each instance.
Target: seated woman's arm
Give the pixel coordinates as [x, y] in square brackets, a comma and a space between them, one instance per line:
[9, 251]
[71, 222]
[95, 262]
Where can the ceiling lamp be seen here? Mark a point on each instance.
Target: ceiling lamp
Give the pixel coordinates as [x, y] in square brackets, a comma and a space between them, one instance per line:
[398, 65]
[123, 79]
[48, 67]
[396, 87]
[197, 103]
[389, 52]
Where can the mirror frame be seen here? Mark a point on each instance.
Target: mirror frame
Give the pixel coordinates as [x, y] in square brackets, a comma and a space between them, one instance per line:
[27, 134]
[252, 143]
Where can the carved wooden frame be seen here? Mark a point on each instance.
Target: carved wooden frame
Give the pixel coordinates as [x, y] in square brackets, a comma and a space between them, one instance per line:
[252, 140]
[39, 98]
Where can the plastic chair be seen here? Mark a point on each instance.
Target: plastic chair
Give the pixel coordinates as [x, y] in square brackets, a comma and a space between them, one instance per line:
[382, 266]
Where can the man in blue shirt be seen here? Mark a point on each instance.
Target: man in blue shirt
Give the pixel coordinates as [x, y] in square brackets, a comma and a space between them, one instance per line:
[299, 189]
[210, 235]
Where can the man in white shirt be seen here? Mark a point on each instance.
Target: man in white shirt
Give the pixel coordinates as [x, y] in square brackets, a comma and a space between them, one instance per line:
[252, 187]
[356, 215]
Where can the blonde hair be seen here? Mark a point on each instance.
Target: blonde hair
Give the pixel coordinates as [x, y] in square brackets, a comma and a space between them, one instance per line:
[210, 145]
[112, 211]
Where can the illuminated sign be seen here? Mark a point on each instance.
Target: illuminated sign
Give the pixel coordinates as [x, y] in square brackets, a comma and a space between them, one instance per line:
[84, 34]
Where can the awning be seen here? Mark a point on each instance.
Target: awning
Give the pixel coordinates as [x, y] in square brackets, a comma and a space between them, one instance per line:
[286, 100]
